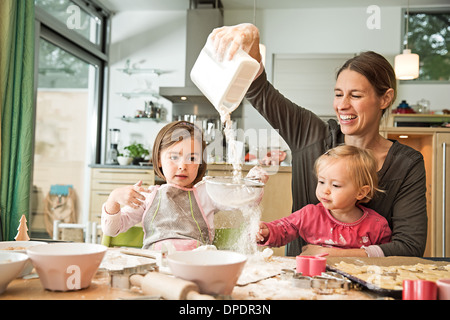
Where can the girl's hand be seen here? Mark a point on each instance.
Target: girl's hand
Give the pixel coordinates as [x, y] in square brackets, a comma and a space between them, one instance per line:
[244, 36]
[263, 232]
[125, 196]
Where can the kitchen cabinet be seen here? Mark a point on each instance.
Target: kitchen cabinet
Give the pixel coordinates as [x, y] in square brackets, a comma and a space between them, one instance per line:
[276, 202]
[434, 144]
[442, 195]
[104, 179]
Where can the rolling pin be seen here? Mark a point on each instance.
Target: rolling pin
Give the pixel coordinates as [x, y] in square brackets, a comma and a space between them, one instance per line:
[168, 287]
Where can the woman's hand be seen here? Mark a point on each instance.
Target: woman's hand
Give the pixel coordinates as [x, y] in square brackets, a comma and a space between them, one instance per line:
[125, 196]
[244, 36]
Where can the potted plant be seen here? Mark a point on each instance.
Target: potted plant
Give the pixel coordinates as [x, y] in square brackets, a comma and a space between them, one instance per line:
[136, 151]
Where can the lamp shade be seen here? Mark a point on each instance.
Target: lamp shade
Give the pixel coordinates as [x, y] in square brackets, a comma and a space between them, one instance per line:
[407, 65]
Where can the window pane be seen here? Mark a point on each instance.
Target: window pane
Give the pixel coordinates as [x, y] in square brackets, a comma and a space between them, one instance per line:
[74, 17]
[429, 37]
[66, 87]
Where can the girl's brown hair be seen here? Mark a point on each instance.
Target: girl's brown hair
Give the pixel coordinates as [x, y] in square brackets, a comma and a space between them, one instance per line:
[361, 166]
[172, 133]
[376, 69]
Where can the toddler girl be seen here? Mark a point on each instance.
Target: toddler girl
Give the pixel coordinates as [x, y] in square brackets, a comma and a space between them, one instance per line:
[347, 177]
[179, 211]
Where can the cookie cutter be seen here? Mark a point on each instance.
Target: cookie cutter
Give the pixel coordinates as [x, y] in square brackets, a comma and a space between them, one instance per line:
[325, 281]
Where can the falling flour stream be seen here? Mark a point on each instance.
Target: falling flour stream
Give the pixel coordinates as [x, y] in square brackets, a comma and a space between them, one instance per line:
[246, 243]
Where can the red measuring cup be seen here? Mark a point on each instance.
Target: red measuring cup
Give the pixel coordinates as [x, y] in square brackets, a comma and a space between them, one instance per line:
[419, 290]
[311, 265]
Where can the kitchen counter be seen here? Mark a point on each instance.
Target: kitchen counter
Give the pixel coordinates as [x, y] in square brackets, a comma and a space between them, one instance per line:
[214, 166]
[116, 166]
[246, 167]
[260, 280]
[263, 278]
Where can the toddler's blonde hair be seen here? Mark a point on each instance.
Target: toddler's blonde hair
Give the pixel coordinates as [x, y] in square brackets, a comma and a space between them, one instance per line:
[361, 166]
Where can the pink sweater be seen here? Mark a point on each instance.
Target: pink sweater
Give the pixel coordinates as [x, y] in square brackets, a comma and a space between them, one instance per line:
[317, 226]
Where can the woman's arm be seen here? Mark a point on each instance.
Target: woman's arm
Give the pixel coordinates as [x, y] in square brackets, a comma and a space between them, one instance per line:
[409, 215]
[298, 126]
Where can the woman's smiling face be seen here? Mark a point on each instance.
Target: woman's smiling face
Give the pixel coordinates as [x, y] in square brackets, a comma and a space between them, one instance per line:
[356, 104]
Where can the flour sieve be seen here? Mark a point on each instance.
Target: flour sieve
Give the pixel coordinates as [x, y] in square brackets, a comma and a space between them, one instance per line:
[233, 192]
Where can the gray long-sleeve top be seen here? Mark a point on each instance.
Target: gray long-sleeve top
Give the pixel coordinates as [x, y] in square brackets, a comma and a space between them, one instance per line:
[402, 177]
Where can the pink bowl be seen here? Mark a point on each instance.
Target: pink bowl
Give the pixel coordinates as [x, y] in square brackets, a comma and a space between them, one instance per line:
[66, 266]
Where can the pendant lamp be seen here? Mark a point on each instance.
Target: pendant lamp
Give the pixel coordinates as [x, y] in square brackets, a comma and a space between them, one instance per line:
[407, 63]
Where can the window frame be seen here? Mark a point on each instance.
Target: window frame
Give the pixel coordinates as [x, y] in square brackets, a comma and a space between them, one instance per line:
[50, 29]
[402, 39]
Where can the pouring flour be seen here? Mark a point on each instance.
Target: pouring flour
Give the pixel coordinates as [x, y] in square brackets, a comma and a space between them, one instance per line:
[224, 83]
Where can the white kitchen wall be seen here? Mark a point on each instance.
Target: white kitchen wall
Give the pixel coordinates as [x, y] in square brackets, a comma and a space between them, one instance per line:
[333, 30]
[152, 39]
[159, 38]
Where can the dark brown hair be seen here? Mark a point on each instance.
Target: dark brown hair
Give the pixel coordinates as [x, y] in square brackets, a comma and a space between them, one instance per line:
[172, 133]
[376, 69]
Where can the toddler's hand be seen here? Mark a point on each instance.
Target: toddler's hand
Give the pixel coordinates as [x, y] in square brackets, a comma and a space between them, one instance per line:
[126, 196]
[262, 233]
[258, 173]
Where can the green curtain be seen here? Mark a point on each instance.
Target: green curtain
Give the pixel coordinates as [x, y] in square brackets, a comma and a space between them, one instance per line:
[16, 112]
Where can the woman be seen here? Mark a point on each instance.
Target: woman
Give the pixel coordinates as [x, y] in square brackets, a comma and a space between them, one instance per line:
[365, 89]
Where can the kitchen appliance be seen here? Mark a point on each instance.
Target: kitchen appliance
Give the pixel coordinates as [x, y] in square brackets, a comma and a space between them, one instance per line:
[199, 24]
[113, 145]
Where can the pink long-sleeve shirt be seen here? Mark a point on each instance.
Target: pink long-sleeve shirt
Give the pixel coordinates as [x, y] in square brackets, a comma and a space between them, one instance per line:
[317, 226]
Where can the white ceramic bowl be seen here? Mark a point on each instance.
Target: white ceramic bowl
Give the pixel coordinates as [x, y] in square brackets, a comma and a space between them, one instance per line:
[214, 271]
[11, 265]
[21, 247]
[124, 161]
[66, 266]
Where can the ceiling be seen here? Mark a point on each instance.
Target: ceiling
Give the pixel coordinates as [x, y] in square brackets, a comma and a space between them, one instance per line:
[133, 5]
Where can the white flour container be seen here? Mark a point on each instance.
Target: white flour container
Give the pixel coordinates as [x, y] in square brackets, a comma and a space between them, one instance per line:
[224, 83]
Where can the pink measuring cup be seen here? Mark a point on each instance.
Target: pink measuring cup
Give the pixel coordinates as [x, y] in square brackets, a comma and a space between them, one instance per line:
[419, 290]
[311, 266]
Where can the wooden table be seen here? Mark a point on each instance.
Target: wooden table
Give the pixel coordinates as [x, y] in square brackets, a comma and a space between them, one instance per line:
[260, 280]
[31, 289]
[268, 289]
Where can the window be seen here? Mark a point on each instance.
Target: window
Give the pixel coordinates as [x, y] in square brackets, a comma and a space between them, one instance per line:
[79, 16]
[429, 37]
[70, 76]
